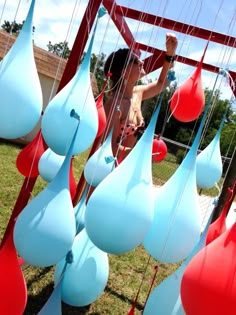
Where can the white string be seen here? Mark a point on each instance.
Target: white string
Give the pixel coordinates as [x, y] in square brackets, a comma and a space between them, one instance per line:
[4, 5]
[8, 38]
[72, 21]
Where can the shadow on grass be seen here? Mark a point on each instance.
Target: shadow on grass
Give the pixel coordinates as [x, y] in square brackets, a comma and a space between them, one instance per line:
[124, 298]
[36, 302]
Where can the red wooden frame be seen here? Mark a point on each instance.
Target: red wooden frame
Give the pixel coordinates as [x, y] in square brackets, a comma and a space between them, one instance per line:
[151, 63]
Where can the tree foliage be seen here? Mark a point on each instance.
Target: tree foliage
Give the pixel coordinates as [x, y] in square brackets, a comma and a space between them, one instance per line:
[185, 133]
[60, 49]
[13, 28]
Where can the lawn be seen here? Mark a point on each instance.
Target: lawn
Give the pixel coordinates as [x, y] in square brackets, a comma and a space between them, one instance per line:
[127, 272]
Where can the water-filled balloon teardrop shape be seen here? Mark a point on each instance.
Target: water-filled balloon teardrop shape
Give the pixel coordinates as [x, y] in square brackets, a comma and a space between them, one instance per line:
[100, 164]
[83, 280]
[45, 229]
[165, 298]
[120, 210]
[21, 94]
[28, 158]
[57, 126]
[13, 291]
[209, 163]
[216, 294]
[176, 224]
[187, 102]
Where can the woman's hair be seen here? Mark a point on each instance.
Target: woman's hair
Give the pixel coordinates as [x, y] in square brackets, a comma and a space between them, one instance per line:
[116, 63]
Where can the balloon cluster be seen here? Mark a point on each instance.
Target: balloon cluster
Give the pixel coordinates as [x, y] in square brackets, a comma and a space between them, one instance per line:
[124, 210]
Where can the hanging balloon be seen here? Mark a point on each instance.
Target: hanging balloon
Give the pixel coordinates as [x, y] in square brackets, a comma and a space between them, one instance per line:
[72, 181]
[217, 228]
[45, 229]
[80, 210]
[77, 95]
[28, 158]
[176, 225]
[85, 278]
[215, 294]
[100, 164]
[159, 149]
[165, 298]
[188, 100]
[120, 210]
[21, 94]
[209, 162]
[177, 218]
[49, 164]
[102, 119]
[220, 225]
[13, 290]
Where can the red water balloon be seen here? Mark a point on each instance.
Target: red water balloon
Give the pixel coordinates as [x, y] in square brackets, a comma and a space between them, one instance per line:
[28, 158]
[216, 228]
[208, 285]
[188, 100]
[159, 149]
[13, 291]
[219, 225]
[102, 120]
[72, 182]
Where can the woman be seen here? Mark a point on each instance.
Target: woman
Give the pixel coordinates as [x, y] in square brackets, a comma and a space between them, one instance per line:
[123, 107]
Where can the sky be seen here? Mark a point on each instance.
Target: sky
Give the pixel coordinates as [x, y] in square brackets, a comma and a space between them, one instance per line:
[58, 20]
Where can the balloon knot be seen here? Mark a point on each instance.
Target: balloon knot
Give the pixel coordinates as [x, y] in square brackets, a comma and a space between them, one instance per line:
[223, 72]
[101, 12]
[171, 75]
[74, 114]
[109, 159]
[69, 257]
[109, 74]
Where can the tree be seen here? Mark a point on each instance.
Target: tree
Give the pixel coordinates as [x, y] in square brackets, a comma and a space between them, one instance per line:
[13, 28]
[60, 49]
[96, 67]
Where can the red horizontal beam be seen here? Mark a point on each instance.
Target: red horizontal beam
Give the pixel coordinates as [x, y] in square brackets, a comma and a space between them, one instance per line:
[179, 27]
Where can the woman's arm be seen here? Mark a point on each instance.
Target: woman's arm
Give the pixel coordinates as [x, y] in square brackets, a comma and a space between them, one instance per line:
[152, 89]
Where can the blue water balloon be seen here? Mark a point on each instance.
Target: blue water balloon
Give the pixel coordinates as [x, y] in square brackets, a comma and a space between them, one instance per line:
[177, 218]
[120, 210]
[80, 210]
[57, 128]
[176, 225]
[21, 94]
[49, 164]
[165, 298]
[209, 162]
[100, 164]
[45, 229]
[85, 277]
[53, 304]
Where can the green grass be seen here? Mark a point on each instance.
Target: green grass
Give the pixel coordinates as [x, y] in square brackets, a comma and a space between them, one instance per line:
[126, 271]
